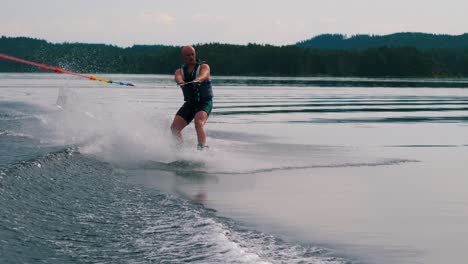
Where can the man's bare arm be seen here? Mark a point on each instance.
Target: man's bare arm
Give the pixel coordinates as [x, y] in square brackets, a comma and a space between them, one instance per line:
[204, 73]
[178, 77]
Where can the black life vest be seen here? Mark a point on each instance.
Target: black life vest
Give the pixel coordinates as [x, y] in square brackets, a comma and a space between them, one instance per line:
[195, 92]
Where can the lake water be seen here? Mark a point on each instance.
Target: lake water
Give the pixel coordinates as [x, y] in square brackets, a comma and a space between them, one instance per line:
[299, 170]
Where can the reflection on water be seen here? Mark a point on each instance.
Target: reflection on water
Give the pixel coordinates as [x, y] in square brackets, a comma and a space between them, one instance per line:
[341, 82]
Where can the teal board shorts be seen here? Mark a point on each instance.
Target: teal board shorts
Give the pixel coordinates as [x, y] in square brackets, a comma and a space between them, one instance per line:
[189, 109]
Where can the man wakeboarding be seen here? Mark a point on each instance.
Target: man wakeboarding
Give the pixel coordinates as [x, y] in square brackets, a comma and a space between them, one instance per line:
[194, 79]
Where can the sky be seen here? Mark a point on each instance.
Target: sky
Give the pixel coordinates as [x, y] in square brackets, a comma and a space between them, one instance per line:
[182, 22]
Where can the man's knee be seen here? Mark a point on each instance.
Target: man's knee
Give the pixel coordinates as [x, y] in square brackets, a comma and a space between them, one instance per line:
[199, 122]
[175, 129]
[178, 124]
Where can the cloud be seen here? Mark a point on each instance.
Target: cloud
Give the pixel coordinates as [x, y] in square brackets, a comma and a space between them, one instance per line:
[157, 18]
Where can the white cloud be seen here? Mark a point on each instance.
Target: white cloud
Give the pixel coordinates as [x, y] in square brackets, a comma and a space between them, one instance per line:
[157, 18]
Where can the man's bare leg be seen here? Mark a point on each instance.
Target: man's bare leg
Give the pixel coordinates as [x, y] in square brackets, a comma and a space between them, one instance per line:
[177, 125]
[200, 120]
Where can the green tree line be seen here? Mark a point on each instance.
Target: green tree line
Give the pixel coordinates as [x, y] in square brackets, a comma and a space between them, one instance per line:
[418, 40]
[249, 60]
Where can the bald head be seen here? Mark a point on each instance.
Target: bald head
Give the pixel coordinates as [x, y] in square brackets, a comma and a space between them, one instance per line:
[189, 55]
[188, 48]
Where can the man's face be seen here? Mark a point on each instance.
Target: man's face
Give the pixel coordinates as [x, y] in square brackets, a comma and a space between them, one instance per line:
[189, 56]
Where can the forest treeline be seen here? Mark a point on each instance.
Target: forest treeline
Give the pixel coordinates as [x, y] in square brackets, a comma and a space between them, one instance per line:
[384, 60]
[418, 40]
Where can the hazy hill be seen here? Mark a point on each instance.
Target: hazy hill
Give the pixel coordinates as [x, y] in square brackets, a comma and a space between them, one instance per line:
[418, 40]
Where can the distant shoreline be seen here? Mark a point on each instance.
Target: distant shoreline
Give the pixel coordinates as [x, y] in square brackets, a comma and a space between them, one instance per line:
[390, 56]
